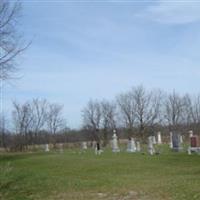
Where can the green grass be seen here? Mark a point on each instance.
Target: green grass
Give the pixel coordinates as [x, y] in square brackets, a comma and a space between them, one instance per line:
[84, 176]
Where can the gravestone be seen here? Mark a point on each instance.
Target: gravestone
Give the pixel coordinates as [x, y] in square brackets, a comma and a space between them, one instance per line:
[190, 133]
[181, 139]
[138, 148]
[154, 139]
[61, 147]
[46, 147]
[98, 150]
[194, 144]
[159, 137]
[131, 145]
[151, 149]
[170, 138]
[194, 141]
[84, 145]
[176, 142]
[115, 147]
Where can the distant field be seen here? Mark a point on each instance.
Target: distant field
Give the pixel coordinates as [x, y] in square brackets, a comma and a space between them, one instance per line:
[84, 176]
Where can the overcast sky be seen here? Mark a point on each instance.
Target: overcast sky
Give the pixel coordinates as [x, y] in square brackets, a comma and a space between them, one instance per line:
[98, 49]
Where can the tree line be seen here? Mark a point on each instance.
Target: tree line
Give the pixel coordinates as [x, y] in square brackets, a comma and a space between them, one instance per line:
[33, 122]
[137, 112]
[140, 112]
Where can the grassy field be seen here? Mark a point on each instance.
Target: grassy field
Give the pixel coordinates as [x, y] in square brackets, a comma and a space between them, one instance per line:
[77, 175]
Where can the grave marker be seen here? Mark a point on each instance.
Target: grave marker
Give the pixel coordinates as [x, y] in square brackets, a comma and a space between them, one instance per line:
[138, 148]
[170, 138]
[46, 147]
[151, 149]
[131, 145]
[176, 142]
[84, 145]
[159, 137]
[115, 147]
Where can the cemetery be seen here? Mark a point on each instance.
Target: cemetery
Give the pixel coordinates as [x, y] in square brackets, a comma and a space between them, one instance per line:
[99, 100]
[157, 169]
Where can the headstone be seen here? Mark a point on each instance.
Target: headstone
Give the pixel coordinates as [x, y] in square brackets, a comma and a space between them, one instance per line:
[194, 141]
[93, 144]
[176, 142]
[84, 145]
[190, 133]
[138, 148]
[159, 137]
[98, 150]
[194, 144]
[61, 147]
[131, 145]
[181, 139]
[151, 149]
[46, 147]
[115, 147]
[154, 139]
[170, 137]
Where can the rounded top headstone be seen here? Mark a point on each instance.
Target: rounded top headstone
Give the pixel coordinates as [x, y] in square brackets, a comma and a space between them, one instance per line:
[190, 133]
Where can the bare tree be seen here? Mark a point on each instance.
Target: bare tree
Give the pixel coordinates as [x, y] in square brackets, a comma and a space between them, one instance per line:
[196, 109]
[147, 105]
[92, 118]
[127, 109]
[2, 130]
[39, 109]
[108, 115]
[187, 112]
[55, 120]
[174, 109]
[23, 118]
[10, 40]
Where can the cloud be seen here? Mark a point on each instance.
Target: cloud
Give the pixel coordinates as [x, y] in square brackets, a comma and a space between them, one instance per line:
[173, 12]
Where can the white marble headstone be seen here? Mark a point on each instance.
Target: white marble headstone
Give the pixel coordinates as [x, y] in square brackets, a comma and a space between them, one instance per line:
[190, 133]
[159, 137]
[46, 147]
[61, 147]
[138, 148]
[181, 139]
[84, 145]
[131, 146]
[154, 139]
[115, 147]
[151, 149]
[170, 137]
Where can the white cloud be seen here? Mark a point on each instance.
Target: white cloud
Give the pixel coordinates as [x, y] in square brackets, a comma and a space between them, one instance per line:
[173, 12]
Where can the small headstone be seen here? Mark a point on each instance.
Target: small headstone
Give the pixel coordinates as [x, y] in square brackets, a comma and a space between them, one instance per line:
[181, 139]
[190, 133]
[46, 147]
[170, 137]
[115, 147]
[154, 139]
[61, 148]
[151, 149]
[159, 137]
[194, 144]
[138, 148]
[131, 145]
[98, 150]
[176, 142]
[84, 145]
[194, 141]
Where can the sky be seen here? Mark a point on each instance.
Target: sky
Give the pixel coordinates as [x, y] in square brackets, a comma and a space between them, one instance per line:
[84, 50]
